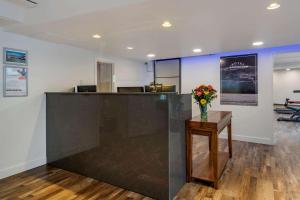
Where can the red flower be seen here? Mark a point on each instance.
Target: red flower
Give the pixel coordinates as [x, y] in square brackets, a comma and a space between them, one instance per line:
[198, 93]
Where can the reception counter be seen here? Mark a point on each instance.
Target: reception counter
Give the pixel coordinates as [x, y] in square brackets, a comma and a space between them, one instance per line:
[134, 141]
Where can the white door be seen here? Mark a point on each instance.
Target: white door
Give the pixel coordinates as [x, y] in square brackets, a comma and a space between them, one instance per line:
[105, 74]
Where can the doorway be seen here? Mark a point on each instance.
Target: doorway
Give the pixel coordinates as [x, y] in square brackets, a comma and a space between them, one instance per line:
[168, 72]
[286, 77]
[105, 74]
[286, 98]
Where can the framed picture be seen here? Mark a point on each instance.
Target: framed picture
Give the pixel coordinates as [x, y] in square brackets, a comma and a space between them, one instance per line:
[15, 57]
[15, 81]
[239, 80]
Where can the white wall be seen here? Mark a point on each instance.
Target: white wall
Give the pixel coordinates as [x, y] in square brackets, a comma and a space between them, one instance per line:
[128, 73]
[250, 123]
[52, 67]
[285, 82]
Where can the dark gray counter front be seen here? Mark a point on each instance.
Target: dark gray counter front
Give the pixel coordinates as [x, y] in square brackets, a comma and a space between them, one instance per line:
[134, 141]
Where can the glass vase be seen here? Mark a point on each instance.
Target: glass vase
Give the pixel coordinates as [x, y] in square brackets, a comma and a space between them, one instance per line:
[203, 111]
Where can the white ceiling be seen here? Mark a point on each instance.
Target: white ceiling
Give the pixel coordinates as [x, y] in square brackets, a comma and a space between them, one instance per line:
[212, 25]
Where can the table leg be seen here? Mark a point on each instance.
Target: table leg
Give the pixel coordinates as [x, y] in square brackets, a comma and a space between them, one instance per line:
[189, 158]
[214, 144]
[209, 143]
[229, 139]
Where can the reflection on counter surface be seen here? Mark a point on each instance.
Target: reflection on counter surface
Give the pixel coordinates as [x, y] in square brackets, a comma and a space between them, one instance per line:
[135, 141]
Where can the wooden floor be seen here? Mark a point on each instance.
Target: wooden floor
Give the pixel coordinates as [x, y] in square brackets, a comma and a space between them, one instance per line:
[48, 183]
[256, 172]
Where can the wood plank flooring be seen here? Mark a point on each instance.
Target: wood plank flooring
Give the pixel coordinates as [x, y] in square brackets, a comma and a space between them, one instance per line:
[256, 172]
[48, 183]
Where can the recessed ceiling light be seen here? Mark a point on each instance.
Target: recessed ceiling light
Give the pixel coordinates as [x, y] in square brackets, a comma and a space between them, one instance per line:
[130, 48]
[151, 55]
[259, 43]
[273, 6]
[197, 50]
[166, 24]
[288, 69]
[96, 36]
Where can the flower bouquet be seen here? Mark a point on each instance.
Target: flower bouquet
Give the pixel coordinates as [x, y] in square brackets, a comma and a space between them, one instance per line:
[204, 95]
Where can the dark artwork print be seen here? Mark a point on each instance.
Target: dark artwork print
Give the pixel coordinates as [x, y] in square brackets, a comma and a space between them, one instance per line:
[239, 80]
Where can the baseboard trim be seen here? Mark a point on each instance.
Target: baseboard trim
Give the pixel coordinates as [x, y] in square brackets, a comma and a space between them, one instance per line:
[244, 138]
[21, 167]
[258, 140]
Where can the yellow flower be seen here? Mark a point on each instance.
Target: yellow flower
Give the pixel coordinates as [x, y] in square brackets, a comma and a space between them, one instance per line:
[203, 101]
[206, 92]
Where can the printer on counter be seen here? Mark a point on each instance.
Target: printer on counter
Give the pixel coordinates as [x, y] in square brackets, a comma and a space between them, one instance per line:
[85, 88]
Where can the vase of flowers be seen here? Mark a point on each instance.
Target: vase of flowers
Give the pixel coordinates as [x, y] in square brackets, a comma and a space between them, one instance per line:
[204, 95]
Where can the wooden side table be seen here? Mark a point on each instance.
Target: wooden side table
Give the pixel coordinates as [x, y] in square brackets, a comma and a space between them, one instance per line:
[210, 168]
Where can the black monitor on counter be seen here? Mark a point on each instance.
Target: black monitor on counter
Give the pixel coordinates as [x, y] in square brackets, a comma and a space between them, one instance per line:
[130, 89]
[86, 88]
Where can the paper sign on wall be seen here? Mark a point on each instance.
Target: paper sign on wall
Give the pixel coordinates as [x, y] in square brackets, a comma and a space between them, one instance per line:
[15, 81]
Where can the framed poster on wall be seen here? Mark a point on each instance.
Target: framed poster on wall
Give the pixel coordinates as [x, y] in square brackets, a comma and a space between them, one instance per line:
[239, 80]
[15, 81]
[15, 57]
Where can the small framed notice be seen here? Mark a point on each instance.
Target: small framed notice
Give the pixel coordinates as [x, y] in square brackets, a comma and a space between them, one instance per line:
[15, 81]
[15, 57]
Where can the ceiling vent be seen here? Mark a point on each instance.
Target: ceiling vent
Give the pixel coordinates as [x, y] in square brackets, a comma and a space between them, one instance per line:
[25, 3]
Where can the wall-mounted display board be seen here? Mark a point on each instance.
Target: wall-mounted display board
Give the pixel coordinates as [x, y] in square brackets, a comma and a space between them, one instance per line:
[15, 81]
[15, 72]
[15, 57]
[239, 80]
